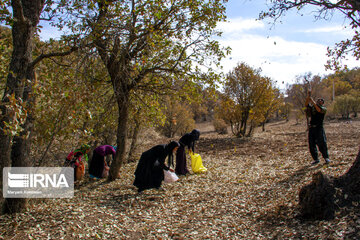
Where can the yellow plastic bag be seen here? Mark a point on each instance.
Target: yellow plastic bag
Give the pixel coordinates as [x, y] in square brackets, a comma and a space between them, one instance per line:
[196, 163]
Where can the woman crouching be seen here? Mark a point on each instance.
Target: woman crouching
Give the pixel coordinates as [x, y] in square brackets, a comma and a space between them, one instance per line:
[149, 172]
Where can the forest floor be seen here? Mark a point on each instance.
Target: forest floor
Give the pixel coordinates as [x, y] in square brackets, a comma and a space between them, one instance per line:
[249, 192]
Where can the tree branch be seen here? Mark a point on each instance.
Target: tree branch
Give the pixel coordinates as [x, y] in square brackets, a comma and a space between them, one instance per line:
[18, 11]
[54, 54]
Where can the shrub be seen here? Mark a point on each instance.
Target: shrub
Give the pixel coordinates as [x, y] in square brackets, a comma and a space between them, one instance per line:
[220, 126]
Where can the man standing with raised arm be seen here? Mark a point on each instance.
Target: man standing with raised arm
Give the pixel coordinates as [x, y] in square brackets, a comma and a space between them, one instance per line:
[317, 137]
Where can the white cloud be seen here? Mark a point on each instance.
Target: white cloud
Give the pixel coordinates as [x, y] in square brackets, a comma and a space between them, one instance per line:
[337, 29]
[238, 25]
[280, 59]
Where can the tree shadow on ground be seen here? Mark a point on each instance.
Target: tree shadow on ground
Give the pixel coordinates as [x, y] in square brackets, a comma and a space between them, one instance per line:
[122, 202]
[280, 214]
[250, 146]
[288, 182]
[289, 217]
[220, 144]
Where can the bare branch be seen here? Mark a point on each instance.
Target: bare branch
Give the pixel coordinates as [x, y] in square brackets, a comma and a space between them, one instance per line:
[54, 54]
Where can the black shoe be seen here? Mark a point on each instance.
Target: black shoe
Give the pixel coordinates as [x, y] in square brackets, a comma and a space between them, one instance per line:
[315, 162]
[327, 161]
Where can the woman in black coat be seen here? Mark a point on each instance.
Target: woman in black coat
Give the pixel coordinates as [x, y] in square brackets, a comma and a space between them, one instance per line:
[188, 140]
[149, 172]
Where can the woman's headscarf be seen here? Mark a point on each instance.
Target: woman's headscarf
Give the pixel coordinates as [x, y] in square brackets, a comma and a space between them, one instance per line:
[169, 149]
[83, 149]
[196, 134]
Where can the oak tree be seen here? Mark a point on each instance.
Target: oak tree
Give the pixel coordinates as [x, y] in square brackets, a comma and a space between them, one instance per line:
[138, 38]
[246, 99]
[23, 17]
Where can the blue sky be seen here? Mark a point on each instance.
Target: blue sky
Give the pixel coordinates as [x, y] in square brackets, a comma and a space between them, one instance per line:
[284, 50]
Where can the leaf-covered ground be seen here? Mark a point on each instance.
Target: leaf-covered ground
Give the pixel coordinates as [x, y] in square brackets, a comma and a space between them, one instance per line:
[249, 192]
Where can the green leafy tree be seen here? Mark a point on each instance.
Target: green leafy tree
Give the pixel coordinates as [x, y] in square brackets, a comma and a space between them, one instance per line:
[355, 107]
[345, 104]
[265, 107]
[343, 82]
[146, 111]
[151, 106]
[5, 54]
[23, 17]
[340, 86]
[73, 106]
[355, 81]
[136, 39]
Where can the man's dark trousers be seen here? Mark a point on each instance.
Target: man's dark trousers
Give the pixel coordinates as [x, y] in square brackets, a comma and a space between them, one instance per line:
[317, 137]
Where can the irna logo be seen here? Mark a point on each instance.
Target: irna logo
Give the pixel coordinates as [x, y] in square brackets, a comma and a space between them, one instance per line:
[36, 180]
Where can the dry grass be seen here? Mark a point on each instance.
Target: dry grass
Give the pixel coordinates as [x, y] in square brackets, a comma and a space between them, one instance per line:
[249, 192]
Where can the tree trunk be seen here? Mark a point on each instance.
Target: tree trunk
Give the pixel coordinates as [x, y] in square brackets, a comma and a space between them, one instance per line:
[4, 150]
[134, 139]
[20, 152]
[26, 16]
[350, 181]
[19, 158]
[123, 104]
[317, 200]
[244, 120]
[20, 60]
[251, 129]
[265, 120]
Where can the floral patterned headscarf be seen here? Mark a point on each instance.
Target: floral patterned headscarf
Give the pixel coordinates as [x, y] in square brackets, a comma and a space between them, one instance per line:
[83, 149]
